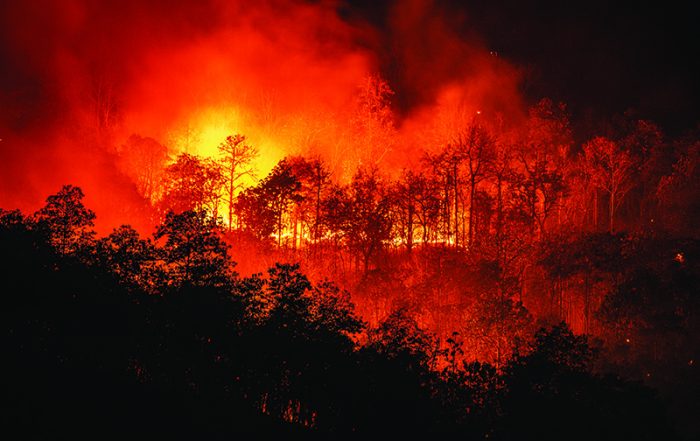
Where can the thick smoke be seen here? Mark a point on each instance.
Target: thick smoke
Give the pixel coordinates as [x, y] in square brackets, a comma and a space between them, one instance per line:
[80, 77]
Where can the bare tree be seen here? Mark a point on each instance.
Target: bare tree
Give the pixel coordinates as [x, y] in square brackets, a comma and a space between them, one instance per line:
[236, 162]
[373, 121]
[144, 159]
[476, 147]
[446, 168]
[613, 171]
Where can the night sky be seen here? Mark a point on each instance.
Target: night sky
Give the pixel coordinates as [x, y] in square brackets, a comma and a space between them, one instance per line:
[601, 58]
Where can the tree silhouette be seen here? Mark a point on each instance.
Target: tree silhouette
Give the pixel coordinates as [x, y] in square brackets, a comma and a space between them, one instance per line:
[144, 159]
[314, 181]
[550, 389]
[255, 216]
[447, 167]
[279, 190]
[66, 220]
[193, 252]
[415, 204]
[191, 183]
[169, 332]
[236, 162]
[399, 336]
[612, 168]
[367, 225]
[477, 146]
[129, 257]
[678, 193]
[540, 156]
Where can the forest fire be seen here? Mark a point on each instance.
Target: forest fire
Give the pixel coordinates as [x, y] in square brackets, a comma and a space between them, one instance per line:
[295, 211]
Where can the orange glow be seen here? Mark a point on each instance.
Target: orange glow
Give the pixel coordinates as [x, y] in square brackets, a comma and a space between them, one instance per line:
[293, 78]
[286, 75]
[203, 131]
[300, 164]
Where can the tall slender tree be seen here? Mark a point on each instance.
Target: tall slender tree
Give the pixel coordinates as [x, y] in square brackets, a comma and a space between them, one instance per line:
[613, 169]
[477, 148]
[236, 162]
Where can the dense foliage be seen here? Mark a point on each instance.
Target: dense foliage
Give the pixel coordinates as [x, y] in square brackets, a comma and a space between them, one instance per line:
[125, 336]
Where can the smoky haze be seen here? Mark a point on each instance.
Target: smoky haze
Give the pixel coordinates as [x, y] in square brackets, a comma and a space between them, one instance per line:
[80, 77]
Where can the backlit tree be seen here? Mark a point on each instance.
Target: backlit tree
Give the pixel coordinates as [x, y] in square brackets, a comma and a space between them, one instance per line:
[612, 170]
[66, 220]
[236, 162]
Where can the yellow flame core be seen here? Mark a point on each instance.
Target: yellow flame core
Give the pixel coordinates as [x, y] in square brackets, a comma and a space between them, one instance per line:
[203, 131]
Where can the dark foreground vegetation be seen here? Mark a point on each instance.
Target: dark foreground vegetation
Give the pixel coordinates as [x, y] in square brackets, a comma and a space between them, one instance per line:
[120, 337]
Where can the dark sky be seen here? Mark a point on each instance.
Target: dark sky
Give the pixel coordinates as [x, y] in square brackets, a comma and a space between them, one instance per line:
[601, 58]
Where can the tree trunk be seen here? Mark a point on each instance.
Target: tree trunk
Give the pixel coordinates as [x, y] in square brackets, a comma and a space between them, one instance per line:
[296, 224]
[472, 193]
[456, 190]
[612, 212]
[409, 232]
[279, 229]
[448, 214]
[595, 210]
[230, 206]
[318, 211]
